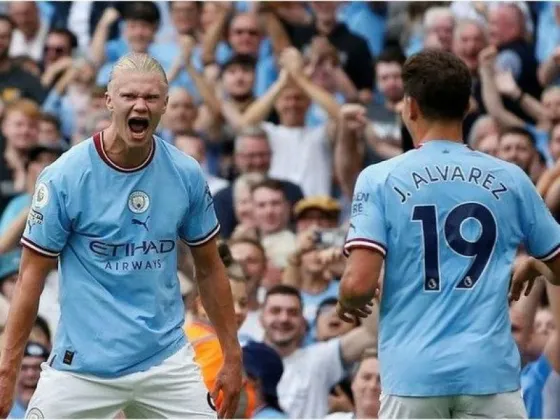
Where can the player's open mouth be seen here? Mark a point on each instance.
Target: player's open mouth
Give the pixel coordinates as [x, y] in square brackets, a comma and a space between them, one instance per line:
[138, 125]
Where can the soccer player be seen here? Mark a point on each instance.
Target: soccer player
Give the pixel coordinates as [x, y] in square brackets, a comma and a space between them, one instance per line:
[111, 211]
[446, 222]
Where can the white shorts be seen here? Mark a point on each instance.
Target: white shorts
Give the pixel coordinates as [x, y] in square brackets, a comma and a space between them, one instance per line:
[173, 389]
[507, 405]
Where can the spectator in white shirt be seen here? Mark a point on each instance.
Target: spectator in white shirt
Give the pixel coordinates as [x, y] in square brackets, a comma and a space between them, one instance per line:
[30, 33]
[309, 372]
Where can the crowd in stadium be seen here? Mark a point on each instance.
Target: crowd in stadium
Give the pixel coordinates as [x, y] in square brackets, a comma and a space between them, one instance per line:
[260, 93]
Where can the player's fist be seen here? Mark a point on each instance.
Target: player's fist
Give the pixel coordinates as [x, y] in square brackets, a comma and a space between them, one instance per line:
[7, 390]
[353, 117]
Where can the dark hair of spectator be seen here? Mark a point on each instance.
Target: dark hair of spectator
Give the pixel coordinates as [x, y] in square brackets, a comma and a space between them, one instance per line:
[68, 34]
[440, 83]
[50, 118]
[245, 61]
[285, 290]
[520, 131]
[145, 11]
[98, 92]
[391, 55]
[272, 402]
[271, 184]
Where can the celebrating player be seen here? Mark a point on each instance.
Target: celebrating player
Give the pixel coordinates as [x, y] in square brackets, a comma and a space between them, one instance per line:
[111, 210]
[447, 222]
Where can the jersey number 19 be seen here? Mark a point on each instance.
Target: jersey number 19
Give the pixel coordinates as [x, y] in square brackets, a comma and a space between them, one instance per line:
[479, 250]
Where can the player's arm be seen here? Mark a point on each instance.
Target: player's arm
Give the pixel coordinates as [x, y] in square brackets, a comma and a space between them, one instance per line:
[45, 235]
[215, 294]
[542, 236]
[199, 231]
[365, 246]
[23, 309]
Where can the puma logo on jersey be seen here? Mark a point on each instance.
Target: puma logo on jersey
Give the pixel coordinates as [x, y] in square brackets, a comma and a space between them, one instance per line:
[141, 223]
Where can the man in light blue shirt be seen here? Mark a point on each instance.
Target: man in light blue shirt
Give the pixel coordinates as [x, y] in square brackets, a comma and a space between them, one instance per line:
[111, 211]
[447, 222]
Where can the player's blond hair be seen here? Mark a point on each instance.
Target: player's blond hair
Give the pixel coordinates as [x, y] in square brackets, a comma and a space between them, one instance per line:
[138, 62]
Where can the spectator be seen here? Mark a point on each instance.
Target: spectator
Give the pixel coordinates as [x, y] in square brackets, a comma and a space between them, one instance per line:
[180, 116]
[366, 390]
[20, 129]
[292, 142]
[243, 203]
[385, 135]
[517, 146]
[508, 33]
[469, 38]
[60, 43]
[439, 24]
[264, 369]
[252, 153]
[35, 354]
[252, 257]
[30, 31]
[353, 50]
[316, 212]
[328, 324]
[193, 145]
[272, 215]
[306, 382]
[15, 83]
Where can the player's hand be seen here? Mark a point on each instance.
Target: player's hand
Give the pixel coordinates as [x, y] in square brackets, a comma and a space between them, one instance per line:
[524, 275]
[7, 391]
[351, 314]
[228, 382]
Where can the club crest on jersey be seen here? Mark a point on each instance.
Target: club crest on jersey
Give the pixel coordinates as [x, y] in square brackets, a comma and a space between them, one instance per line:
[138, 202]
[41, 196]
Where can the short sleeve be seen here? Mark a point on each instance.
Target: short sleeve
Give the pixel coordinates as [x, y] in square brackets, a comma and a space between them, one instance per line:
[200, 223]
[541, 230]
[367, 221]
[48, 225]
[509, 60]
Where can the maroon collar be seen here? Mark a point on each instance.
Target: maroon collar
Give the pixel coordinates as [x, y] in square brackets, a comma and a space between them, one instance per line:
[98, 142]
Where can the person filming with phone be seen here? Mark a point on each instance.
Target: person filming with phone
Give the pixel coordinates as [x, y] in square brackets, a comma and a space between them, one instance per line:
[316, 264]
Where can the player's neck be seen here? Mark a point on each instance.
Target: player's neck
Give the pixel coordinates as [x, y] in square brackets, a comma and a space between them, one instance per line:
[441, 131]
[120, 153]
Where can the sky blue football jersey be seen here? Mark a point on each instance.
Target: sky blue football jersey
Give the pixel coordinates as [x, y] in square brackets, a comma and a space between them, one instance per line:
[115, 231]
[449, 221]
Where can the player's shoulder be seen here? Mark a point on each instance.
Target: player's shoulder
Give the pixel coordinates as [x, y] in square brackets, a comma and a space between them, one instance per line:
[379, 172]
[71, 164]
[184, 163]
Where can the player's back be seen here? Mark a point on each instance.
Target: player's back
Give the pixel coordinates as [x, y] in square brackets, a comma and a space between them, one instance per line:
[454, 219]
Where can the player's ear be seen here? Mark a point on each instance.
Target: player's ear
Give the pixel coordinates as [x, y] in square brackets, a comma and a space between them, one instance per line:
[165, 104]
[412, 108]
[108, 101]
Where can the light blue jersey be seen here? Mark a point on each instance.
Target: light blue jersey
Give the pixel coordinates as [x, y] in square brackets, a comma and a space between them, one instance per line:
[115, 231]
[449, 221]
